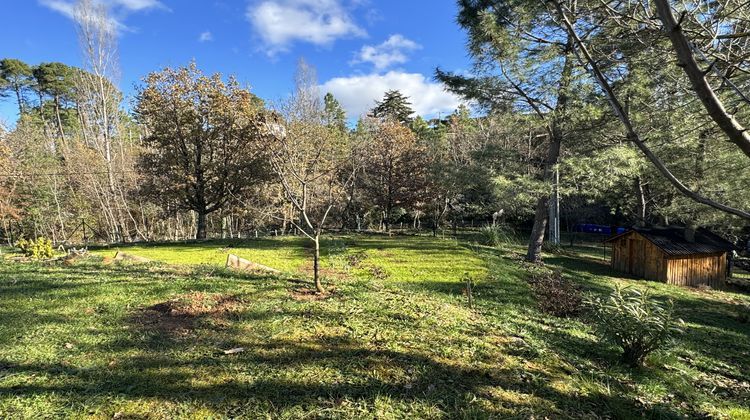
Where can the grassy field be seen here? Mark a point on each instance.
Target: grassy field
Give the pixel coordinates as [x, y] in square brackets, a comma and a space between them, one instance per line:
[395, 339]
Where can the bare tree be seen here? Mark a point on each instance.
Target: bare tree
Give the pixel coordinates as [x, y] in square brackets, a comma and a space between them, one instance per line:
[310, 161]
[99, 108]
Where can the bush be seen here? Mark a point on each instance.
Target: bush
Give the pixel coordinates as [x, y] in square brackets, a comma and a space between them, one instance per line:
[556, 294]
[39, 249]
[494, 235]
[634, 321]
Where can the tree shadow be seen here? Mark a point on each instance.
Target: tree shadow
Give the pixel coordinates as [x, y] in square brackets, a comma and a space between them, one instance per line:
[330, 370]
[713, 321]
[352, 372]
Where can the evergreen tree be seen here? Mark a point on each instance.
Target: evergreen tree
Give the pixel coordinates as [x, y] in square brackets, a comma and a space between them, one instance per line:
[532, 74]
[15, 77]
[394, 106]
[334, 114]
[55, 80]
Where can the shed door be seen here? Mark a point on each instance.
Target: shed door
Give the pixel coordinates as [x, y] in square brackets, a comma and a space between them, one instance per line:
[637, 257]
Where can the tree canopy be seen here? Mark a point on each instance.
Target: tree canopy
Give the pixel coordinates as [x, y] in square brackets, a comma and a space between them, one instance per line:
[205, 143]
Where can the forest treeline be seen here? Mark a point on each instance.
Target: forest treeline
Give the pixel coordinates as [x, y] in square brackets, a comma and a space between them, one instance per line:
[640, 109]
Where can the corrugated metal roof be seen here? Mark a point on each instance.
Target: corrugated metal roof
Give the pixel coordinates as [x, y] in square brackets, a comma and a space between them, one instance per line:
[672, 241]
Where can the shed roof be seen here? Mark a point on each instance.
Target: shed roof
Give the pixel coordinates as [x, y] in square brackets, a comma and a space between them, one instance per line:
[672, 240]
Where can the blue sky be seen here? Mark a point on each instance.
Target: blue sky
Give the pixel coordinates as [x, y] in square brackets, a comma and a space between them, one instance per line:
[359, 47]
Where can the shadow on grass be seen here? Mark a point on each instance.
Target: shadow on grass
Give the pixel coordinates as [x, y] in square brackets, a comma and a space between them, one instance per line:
[331, 371]
[713, 322]
[362, 374]
[323, 373]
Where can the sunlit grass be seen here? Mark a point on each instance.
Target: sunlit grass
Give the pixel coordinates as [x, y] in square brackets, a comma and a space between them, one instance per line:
[396, 339]
[402, 259]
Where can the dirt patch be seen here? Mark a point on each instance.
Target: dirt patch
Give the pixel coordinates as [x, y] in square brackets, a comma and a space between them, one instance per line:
[324, 272]
[180, 315]
[378, 273]
[356, 259]
[309, 295]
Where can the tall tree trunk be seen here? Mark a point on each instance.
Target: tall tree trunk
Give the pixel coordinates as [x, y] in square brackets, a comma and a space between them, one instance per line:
[641, 192]
[700, 158]
[19, 98]
[534, 252]
[200, 232]
[316, 266]
[541, 215]
[59, 119]
[41, 113]
[55, 195]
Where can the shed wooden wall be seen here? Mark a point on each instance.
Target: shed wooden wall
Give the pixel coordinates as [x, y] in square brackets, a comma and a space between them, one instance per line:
[694, 270]
[634, 254]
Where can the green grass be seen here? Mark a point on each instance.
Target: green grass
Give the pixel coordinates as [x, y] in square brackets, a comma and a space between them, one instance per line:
[396, 339]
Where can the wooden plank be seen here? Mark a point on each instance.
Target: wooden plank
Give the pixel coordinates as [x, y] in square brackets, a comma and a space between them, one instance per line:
[237, 263]
[695, 270]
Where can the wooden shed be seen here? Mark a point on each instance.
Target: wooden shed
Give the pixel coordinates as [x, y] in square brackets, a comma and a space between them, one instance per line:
[666, 255]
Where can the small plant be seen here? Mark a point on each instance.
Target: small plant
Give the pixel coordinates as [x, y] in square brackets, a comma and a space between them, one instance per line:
[469, 289]
[494, 235]
[39, 249]
[634, 321]
[556, 295]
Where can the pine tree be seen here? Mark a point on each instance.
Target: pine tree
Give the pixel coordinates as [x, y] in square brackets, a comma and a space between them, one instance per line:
[334, 114]
[55, 80]
[527, 73]
[394, 106]
[15, 76]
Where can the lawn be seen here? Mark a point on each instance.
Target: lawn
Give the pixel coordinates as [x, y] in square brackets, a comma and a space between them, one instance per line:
[395, 339]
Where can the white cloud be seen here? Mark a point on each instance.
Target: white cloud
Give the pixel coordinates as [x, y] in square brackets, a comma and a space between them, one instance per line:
[392, 51]
[61, 6]
[138, 5]
[119, 9]
[357, 94]
[279, 23]
[206, 36]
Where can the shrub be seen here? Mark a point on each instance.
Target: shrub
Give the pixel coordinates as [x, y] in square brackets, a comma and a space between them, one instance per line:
[556, 295]
[634, 321]
[39, 249]
[494, 235]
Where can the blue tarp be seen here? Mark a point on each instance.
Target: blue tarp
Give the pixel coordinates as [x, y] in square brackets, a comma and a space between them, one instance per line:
[599, 229]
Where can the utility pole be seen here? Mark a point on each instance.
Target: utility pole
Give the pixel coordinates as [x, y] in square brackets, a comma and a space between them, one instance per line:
[554, 211]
